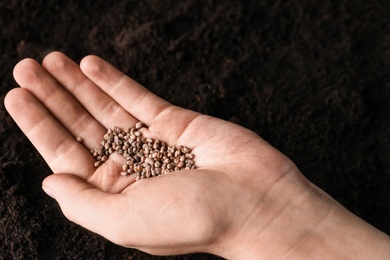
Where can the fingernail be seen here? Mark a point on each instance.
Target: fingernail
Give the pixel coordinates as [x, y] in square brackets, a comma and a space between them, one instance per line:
[48, 191]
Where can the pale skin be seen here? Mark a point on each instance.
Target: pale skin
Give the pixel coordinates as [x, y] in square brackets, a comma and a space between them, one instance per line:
[246, 200]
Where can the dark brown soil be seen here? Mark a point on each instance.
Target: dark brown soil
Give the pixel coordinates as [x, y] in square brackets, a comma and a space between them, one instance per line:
[311, 77]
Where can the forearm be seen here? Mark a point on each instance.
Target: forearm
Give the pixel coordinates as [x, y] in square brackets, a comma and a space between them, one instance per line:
[342, 235]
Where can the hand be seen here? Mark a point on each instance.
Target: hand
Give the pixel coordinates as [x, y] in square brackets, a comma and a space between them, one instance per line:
[245, 199]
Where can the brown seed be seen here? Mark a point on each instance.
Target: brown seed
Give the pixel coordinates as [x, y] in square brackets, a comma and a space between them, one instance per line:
[145, 156]
[188, 165]
[149, 161]
[97, 164]
[185, 150]
[157, 164]
[181, 164]
[128, 162]
[189, 156]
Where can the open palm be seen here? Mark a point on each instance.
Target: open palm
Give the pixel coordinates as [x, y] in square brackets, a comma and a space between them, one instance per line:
[181, 212]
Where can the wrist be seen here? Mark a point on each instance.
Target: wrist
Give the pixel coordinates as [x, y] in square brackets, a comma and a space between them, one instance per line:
[297, 220]
[279, 220]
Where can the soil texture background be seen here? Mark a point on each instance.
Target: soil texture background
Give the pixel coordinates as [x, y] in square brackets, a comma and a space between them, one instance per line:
[310, 77]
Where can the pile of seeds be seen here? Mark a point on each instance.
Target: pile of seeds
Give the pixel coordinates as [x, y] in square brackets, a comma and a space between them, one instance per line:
[144, 156]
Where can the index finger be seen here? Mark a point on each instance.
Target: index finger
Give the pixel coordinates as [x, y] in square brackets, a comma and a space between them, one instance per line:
[133, 97]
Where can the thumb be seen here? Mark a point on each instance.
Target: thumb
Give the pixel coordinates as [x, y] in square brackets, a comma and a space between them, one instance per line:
[84, 204]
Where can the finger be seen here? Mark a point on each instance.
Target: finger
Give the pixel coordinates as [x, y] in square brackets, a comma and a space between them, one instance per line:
[62, 105]
[100, 105]
[87, 206]
[133, 97]
[59, 149]
[137, 218]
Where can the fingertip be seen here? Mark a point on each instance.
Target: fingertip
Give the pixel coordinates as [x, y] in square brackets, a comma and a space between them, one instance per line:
[25, 71]
[47, 182]
[51, 184]
[10, 99]
[63, 181]
[91, 65]
[55, 60]
[66, 189]
[49, 191]
[16, 98]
